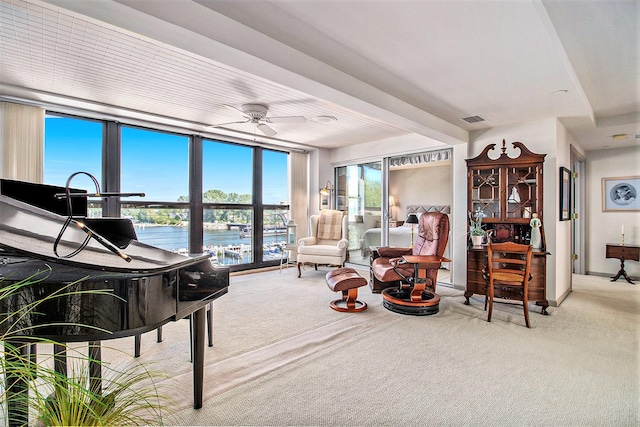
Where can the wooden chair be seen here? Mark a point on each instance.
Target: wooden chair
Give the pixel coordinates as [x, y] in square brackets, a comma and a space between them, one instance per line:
[509, 267]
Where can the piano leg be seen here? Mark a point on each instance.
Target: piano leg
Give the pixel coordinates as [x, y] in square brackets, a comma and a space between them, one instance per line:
[210, 324]
[136, 345]
[198, 326]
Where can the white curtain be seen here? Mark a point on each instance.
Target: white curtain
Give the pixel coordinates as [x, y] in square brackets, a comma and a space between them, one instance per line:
[299, 191]
[22, 142]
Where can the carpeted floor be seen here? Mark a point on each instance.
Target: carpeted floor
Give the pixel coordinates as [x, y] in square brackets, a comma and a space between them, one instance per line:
[282, 357]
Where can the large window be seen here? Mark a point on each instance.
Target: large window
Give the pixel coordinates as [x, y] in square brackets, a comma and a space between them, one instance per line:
[155, 163]
[201, 196]
[73, 145]
[275, 199]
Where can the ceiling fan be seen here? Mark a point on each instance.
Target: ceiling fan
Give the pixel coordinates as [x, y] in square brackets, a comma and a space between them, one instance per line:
[257, 114]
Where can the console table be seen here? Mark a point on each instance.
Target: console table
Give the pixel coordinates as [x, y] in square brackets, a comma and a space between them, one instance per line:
[623, 252]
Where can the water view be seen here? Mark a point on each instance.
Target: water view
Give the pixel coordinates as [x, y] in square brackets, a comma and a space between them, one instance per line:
[227, 246]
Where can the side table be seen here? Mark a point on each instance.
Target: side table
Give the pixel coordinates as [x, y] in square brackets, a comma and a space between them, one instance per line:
[623, 252]
[292, 255]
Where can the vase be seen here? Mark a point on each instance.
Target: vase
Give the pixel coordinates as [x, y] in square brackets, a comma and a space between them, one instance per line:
[476, 240]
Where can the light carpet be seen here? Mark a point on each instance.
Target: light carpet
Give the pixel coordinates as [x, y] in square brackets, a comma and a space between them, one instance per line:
[282, 357]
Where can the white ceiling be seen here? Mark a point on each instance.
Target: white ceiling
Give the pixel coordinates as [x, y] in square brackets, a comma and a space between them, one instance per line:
[383, 68]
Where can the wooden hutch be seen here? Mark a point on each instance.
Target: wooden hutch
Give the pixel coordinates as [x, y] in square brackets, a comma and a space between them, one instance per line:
[506, 192]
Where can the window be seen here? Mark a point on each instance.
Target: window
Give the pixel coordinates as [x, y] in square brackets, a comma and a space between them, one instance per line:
[155, 163]
[73, 145]
[239, 218]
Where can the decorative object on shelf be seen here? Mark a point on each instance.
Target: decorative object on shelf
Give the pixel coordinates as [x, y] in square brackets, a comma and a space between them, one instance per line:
[412, 219]
[622, 242]
[326, 196]
[515, 195]
[475, 228]
[621, 194]
[536, 236]
[565, 194]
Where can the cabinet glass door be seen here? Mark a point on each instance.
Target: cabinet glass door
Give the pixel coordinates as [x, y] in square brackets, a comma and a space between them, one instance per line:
[521, 191]
[485, 192]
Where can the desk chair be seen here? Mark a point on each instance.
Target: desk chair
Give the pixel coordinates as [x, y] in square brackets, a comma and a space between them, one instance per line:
[509, 267]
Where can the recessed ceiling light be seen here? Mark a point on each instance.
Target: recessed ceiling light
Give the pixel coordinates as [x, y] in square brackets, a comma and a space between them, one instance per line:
[619, 137]
[560, 91]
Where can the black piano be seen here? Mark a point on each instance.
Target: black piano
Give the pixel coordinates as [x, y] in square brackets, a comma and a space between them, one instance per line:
[144, 286]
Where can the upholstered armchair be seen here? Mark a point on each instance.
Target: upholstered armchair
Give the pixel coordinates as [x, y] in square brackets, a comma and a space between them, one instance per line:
[328, 242]
[389, 269]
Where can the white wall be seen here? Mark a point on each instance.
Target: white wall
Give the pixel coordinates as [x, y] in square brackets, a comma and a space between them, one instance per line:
[373, 151]
[605, 227]
[426, 185]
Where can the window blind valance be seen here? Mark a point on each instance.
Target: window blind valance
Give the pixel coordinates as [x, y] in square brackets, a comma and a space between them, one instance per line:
[418, 158]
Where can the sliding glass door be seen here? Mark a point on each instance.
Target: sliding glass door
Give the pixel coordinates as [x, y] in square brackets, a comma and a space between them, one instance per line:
[359, 195]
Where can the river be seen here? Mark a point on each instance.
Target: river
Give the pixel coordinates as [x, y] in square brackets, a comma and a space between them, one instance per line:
[177, 239]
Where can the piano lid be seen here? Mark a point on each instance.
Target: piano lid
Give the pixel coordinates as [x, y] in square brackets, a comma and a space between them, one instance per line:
[32, 231]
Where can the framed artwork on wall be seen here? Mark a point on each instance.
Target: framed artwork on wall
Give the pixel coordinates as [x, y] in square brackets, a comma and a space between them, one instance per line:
[565, 194]
[621, 194]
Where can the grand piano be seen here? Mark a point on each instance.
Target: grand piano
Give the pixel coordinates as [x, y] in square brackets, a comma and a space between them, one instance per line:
[115, 286]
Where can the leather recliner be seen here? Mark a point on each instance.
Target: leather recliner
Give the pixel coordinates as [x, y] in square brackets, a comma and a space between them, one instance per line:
[433, 235]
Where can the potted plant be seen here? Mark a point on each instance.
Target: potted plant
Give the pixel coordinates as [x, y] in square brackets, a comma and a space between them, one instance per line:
[129, 395]
[475, 228]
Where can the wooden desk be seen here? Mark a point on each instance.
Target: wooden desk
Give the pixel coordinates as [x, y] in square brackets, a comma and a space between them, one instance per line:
[626, 252]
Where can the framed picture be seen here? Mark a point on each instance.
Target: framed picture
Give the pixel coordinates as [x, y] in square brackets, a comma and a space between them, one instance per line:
[621, 194]
[565, 194]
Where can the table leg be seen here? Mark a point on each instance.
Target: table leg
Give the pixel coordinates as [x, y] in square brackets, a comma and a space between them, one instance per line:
[622, 273]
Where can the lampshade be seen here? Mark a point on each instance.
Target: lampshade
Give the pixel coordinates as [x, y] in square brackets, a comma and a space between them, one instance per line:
[412, 219]
[392, 201]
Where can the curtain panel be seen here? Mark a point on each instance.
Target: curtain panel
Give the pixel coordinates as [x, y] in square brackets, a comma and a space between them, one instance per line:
[22, 142]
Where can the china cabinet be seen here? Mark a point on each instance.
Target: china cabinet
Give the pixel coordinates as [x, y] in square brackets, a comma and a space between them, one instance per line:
[505, 192]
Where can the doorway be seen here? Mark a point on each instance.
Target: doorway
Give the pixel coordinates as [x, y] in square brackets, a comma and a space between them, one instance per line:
[359, 195]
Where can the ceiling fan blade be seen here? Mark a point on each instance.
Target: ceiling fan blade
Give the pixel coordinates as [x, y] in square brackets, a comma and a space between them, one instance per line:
[287, 119]
[234, 109]
[217, 125]
[266, 129]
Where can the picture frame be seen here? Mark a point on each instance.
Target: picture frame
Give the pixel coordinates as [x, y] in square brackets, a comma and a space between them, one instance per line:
[565, 194]
[620, 194]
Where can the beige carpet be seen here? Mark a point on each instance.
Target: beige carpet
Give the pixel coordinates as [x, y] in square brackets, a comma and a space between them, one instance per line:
[282, 357]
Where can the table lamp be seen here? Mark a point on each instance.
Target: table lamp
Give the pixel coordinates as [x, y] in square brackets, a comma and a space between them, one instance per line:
[413, 220]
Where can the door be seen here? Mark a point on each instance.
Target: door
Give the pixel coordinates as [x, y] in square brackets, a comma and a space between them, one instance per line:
[358, 194]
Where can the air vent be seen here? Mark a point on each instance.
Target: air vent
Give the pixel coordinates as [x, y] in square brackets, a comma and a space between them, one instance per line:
[473, 119]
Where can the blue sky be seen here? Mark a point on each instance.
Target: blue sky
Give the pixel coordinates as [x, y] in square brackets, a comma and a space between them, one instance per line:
[156, 163]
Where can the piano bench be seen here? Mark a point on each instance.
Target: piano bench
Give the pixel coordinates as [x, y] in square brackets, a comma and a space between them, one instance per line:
[347, 281]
